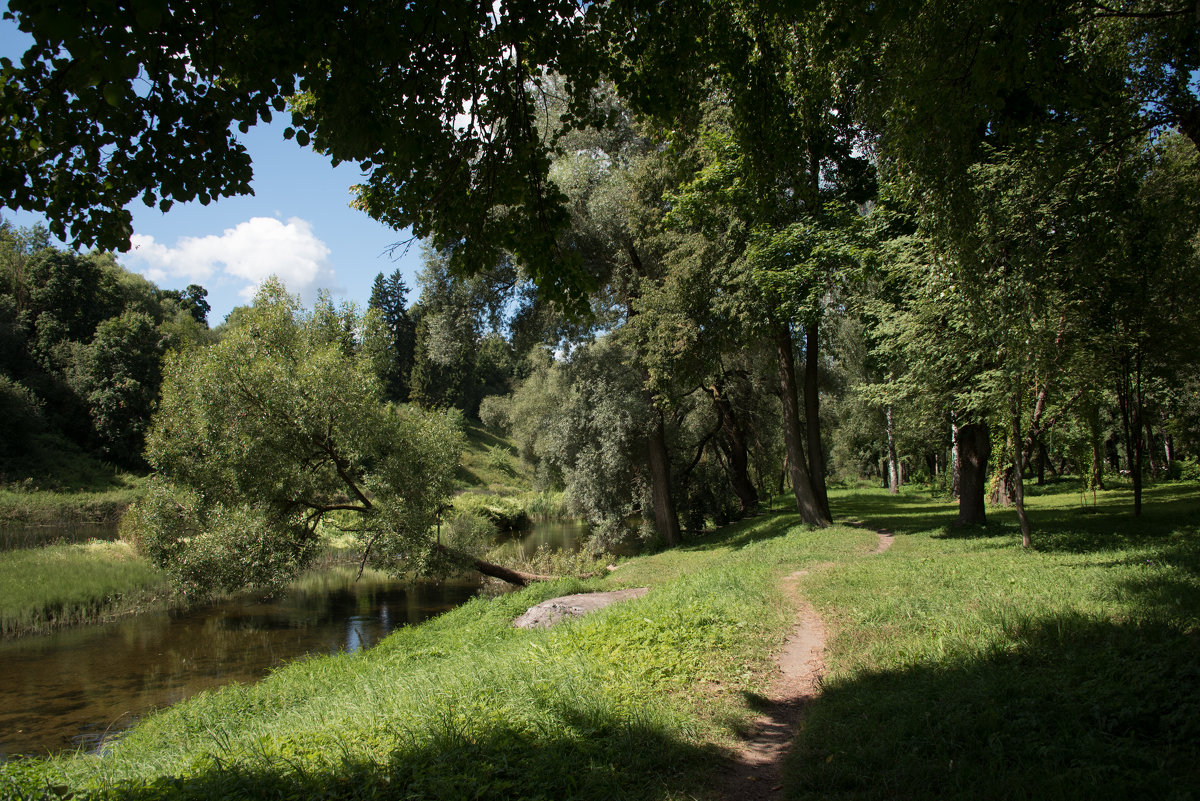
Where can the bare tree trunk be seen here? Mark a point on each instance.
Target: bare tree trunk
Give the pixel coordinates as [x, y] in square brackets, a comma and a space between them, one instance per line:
[806, 501]
[518, 577]
[893, 465]
[1018, 484]
[975, 446]
[812, 418]
[737, 452]
[666, 520]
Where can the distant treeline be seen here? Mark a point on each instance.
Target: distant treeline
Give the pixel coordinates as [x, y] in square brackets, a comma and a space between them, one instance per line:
[81, 343]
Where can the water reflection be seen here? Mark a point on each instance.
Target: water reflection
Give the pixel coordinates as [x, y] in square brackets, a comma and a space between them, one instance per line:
[74, 687]
[70, 688]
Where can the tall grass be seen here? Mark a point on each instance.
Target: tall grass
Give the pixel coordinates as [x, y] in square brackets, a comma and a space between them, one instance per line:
[42, 588]
[959, 666]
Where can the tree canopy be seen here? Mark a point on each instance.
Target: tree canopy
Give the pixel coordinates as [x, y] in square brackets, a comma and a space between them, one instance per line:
[278, 428]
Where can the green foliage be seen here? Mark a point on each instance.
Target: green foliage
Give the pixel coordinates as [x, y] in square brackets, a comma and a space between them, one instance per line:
[585, 422]
[20, 418]
[118, 375]
[261, 436]
[397, 343]
[84, 338]
[506, 515]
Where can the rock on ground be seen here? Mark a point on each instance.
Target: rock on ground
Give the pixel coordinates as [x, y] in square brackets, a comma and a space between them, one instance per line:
[548, 613]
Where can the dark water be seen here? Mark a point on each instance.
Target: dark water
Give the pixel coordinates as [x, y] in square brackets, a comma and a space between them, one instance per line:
[72, 688]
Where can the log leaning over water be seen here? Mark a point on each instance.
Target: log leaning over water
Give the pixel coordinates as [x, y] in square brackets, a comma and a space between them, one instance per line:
[518, 577]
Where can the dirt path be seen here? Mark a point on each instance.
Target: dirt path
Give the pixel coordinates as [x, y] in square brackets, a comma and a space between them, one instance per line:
[755, 771]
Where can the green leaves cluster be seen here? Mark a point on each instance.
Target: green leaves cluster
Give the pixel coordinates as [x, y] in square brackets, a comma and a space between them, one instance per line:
[275, 430]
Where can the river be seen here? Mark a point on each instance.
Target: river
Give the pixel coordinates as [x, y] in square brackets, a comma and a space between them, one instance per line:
[73, 688]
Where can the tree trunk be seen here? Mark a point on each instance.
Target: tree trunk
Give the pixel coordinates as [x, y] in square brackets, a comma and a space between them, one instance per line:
[1128, 399]
[1041, 464]
[806, 501]
[1018, 469]
[955, 461]
[1002, 485]
[518, 577]
[666, 520]
[975, 446]
[812, 418]
[737, 452]
[1097, 460]
[1149, 451]
[893, 466]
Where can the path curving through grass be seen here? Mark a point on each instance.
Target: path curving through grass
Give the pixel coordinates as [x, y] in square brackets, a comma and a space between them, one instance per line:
[756, 768]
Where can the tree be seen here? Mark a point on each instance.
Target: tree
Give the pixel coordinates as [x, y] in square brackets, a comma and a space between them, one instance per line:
[278, 428]
[395, 359]
[459, 354]
[1141, 301]
[118, 374]
[435, 102]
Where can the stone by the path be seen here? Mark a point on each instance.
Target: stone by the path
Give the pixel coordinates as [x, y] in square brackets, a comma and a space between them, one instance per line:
[547, 613]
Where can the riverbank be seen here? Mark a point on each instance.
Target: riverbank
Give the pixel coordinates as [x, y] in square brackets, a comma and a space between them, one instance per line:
[60, 486]
[957, 666]
[33, 508]
[45, 588]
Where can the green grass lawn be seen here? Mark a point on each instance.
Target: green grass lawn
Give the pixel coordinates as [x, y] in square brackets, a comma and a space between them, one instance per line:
[958, 666]
[59, 484]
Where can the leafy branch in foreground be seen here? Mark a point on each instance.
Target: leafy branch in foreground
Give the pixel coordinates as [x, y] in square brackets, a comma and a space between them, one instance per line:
[278, 428]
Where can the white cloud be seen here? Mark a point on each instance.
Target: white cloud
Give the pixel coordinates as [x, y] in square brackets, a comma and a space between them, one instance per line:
[247, 254]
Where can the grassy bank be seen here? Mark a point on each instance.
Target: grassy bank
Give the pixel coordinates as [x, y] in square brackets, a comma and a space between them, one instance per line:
[962, 667]
[43, 588]
[959, 666]
[57, 484]
[36, 507]
[632, 702]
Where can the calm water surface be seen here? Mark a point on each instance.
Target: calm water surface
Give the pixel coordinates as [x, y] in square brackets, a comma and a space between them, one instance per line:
[72, 688]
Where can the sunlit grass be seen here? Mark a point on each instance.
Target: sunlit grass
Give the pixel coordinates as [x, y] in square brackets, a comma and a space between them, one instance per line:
[633, 701]
[959, 666]
[962, 666]
[41, 588]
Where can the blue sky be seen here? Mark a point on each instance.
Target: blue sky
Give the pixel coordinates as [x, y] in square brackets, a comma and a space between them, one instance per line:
[297, 225]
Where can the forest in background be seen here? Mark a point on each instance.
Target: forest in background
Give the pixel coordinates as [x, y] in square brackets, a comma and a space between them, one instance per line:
[690, 257]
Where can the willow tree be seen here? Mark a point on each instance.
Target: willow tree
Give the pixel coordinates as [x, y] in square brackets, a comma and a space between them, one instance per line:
[278, 429]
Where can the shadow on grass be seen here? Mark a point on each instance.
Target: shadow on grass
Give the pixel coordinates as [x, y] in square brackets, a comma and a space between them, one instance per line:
[467, 476]
[904, 513]
[1168, 510]
[603, 758]
[765, 526]
[1072, 708]
[480, 435]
